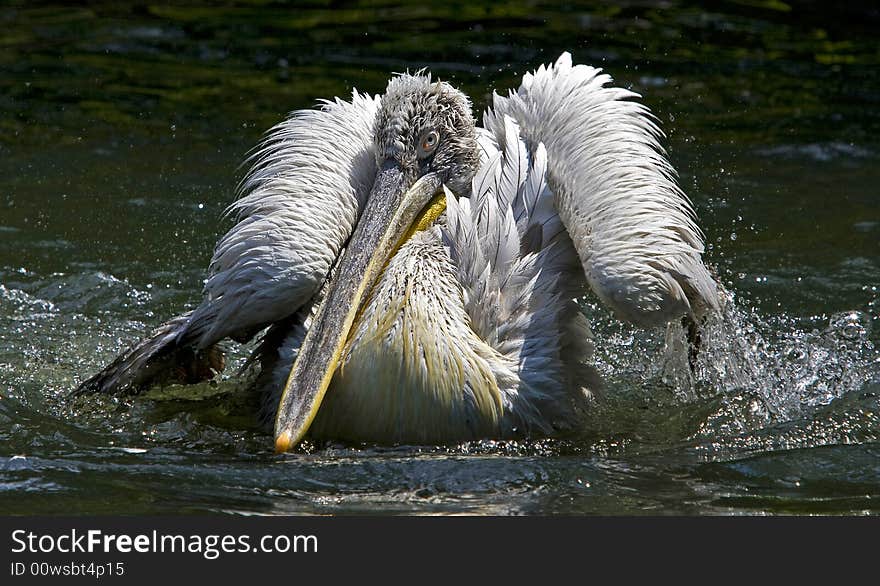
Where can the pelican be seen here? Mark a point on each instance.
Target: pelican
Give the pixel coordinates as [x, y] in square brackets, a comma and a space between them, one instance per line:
[415, 276]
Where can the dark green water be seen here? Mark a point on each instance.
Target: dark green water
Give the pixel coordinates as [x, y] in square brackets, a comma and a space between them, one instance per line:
[121, 130]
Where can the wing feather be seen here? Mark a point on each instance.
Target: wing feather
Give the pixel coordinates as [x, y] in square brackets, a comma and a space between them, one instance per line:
[298, 205]
[634, 230]
[518, 272]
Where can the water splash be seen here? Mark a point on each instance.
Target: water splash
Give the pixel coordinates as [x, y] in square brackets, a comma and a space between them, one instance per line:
[790, 369]
[769, 382]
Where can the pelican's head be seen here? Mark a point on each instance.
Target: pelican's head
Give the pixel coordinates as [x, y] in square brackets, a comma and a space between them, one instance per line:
[425, 139]
[427, 127]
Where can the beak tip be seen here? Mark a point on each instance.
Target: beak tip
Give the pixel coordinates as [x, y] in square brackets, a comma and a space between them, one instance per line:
[283, 443]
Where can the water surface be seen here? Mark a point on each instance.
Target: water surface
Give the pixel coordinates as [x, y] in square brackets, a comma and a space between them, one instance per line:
[121, 133]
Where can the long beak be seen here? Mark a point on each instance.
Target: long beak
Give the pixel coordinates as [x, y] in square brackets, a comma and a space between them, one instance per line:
[390, 212]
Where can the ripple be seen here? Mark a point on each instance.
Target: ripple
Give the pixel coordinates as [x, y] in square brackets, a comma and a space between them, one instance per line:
[821, 152]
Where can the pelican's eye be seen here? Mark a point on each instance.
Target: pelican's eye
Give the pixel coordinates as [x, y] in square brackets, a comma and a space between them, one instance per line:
[428, 143]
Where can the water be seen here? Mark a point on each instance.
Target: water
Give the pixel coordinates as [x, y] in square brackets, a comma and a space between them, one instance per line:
[121, 133]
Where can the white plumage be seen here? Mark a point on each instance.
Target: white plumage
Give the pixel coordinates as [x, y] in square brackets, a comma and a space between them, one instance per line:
[633, 228]
[299, 205]
[471, 329]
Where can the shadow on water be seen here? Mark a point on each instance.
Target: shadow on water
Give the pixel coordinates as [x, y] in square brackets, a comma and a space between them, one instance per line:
[126, 124]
